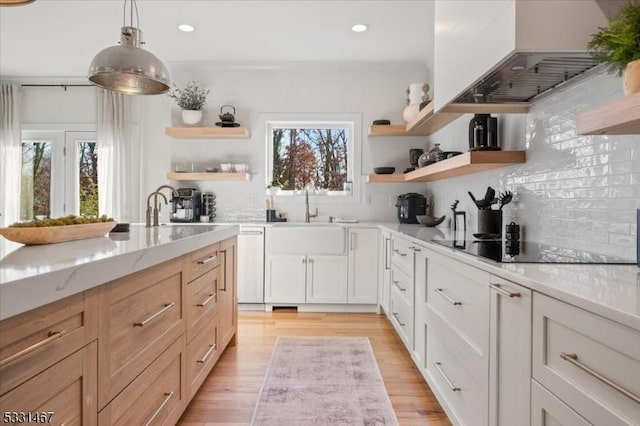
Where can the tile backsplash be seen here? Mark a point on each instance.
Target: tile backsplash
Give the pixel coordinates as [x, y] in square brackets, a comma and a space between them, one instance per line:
[574, 191]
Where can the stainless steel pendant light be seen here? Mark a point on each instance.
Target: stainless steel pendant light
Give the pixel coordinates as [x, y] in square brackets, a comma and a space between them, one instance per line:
[127, 68]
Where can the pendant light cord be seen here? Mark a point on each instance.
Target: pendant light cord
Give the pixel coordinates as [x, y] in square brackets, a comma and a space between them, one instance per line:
[132, 4]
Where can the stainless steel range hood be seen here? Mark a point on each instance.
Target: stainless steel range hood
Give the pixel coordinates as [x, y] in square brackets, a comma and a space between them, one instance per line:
[524, 76]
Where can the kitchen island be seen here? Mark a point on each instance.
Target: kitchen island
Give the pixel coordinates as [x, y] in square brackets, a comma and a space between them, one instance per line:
[115, 330]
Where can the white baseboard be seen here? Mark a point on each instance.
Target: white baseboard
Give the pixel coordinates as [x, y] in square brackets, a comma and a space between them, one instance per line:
[310, 307]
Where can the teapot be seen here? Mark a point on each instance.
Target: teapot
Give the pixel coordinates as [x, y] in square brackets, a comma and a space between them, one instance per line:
[227, 116]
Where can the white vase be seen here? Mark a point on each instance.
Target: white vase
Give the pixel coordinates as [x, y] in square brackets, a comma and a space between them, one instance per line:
[411, 112]
[191, 117]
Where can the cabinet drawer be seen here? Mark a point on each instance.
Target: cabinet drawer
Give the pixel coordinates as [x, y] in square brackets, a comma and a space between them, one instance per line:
[590, 363]
[458, 373]
[401, 317]
[202, 354]
[155, 397]
[403, 283]
[402, 255]
[460, 295]
[202, 301]
[547, 410]
[202, 260]
[35, 340]
[141, 315]
[67, 390]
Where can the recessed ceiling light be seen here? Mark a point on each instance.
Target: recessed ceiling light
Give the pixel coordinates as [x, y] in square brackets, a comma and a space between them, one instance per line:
[358, 28]
[186, 28]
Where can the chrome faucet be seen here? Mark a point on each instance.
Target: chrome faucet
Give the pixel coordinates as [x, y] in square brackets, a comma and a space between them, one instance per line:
[307, 214]
[155, 208]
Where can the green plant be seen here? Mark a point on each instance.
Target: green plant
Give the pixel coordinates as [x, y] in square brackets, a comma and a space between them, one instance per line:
[620, 43]
[191, 98]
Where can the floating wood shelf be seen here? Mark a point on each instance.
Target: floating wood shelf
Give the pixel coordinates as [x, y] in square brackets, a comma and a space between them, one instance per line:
[207, 132]
[620, 117]
[220, 177]
[464, 164]
[427, 122]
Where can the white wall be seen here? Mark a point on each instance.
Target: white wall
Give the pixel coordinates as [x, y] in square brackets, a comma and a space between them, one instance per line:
[575, 191]
[54, 105]
[372, 90]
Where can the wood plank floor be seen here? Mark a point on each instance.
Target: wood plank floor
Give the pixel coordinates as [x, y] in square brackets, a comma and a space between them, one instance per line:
[229, 394]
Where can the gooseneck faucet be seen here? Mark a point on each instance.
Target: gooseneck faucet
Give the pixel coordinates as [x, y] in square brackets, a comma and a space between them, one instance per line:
[155, 208]
[307, 214]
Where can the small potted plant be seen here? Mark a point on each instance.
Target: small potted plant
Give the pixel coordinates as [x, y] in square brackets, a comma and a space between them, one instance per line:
[191, 100]
[619, 46]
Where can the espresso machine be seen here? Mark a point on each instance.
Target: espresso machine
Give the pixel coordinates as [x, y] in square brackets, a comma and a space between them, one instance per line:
[186, 205]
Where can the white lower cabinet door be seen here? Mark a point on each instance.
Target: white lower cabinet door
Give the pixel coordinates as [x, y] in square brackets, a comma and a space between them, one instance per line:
[420, 315]
[509, 353]
[326, 279]
[547, 410]
[251, 265]
[363, 268]
[285, 278]
[385, 270]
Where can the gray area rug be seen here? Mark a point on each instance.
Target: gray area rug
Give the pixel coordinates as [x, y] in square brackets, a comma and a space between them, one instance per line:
[323, 381]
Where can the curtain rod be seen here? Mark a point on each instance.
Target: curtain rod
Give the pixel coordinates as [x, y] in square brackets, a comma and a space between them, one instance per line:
[64, 86]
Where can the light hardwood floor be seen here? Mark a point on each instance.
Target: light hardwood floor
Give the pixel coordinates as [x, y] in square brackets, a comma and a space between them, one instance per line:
[229, 394]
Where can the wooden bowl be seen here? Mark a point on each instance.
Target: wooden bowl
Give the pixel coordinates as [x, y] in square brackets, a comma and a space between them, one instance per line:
[56, 234]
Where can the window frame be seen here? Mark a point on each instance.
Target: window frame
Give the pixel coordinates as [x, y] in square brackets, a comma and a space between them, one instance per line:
[351, 122]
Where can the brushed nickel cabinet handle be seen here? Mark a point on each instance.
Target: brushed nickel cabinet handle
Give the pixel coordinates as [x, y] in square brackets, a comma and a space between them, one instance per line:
[207, 300]
[395, 314]
[224, 265]
[168, 396]
[441, 293]
[386, 253]
[250, 233]
[52, 335]
[444, 376]
[504, 292]
[207, 260]
[573, 359]
[399, 252]
[398, 285]
[414, 248]
[142, 323]
[208, 354]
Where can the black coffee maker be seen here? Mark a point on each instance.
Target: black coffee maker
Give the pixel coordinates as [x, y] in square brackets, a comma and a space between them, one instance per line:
[483, 133]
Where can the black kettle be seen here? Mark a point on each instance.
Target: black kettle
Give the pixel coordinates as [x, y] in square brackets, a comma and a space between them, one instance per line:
[227, 117]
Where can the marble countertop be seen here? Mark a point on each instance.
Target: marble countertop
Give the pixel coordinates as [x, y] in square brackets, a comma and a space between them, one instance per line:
[31, 276]
[612, 291]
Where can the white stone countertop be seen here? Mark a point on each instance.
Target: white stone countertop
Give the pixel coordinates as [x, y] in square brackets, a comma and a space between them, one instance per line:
[32, 276]
[612, 291]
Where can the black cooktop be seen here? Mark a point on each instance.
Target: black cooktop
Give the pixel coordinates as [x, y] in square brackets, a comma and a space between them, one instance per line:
[529, 252]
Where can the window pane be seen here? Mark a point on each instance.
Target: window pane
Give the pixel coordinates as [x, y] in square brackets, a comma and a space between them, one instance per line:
[88, 178]
[316, 155]
[35, 186]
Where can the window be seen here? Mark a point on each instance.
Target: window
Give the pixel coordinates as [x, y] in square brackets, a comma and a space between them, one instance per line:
[311, 151]
[59, 174]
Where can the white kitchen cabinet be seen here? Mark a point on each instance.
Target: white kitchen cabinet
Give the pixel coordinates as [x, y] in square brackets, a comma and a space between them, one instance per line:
[363, 275]
[420, 327]
[384, 276]
[251, 264]
[285, 278]
[326, 279]
[509, 353]
[547, 410]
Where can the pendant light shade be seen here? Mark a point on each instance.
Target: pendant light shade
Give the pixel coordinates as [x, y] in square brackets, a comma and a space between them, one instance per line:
[128, 68]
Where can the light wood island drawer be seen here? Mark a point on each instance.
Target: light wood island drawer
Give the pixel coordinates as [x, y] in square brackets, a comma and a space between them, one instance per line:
[202, 301]
[201, 261]
[202, 353]
[64, 393]
[592, 364]
[141, 315]
[156, 397]
[35, 340]
[460, 295]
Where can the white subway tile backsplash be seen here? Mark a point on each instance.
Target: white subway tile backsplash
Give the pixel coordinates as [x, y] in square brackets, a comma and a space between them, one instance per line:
[574, 189]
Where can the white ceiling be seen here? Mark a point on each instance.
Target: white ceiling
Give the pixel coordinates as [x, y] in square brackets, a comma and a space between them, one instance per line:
[59, 38]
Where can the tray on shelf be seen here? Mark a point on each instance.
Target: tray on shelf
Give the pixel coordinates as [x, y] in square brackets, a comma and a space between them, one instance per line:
[56, 234]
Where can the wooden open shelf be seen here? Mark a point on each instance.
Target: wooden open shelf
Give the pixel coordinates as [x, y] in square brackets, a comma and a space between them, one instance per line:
[207, 132]
[427, 122]
[620, 117]
[464, 164]
[220, 177]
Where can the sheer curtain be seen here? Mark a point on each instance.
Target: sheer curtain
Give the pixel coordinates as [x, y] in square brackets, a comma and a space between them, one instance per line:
[10, 153]
[118, 156]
